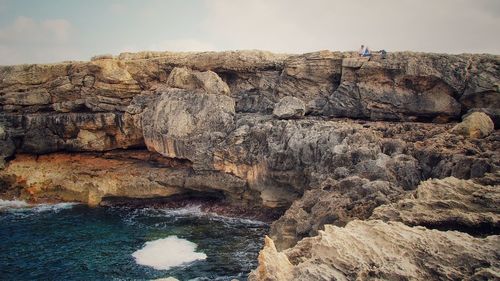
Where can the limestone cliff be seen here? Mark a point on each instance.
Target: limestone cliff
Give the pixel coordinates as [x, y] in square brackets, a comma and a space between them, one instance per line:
[329, 137]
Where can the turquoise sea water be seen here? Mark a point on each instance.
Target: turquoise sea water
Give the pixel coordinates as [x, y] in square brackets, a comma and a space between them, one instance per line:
[76, 242]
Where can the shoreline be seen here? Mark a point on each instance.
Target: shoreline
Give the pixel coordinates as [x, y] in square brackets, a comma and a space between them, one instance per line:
[210, 207]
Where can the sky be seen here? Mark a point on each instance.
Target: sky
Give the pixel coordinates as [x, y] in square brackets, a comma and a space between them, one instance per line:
[36, 31]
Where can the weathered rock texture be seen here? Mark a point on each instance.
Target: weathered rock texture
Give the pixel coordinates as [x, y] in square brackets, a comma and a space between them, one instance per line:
[449, 203]
[375, 250]
[289, 107]
[326, 136]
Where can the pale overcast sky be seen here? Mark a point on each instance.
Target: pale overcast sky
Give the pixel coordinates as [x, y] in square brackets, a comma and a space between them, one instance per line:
[35, 31]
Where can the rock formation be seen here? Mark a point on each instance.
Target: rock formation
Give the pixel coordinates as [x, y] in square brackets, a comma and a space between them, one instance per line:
[475, 125]
[326, 137]
[390, 250]
[289, 107]
[449, 203]
[375, 250]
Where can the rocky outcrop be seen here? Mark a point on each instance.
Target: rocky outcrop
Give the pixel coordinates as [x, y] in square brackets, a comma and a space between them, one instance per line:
[92, 178]
[326, 137]
[7, 147]
[187, 125]
[334, 203]
[449, 203]
[382, 247]
[273, 265]
[214, 110]
[375, 250]
[209, 81]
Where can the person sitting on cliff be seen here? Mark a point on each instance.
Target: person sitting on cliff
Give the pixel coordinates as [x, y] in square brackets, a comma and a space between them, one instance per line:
[361, 50]
[383, 54]
[364, 51]
[367, 52]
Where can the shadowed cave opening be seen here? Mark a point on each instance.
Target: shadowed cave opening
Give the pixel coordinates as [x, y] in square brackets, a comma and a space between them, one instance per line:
[191, 197]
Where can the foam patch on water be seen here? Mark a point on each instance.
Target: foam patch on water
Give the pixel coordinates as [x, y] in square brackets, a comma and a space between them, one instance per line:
[163, 254]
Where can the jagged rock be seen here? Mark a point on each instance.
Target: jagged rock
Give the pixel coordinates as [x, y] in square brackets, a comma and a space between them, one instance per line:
[35, 97]
[289, 107]
[449, 203]
[401, 87]
[209, 81]
[101, 57]
[475, 125]
[237, 61]
[273, 265]
[375, 250]
[334, 203]
[88, 178]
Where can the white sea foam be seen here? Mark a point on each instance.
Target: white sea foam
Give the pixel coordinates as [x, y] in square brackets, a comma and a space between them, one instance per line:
[19, 205]
[9, 204]
[195, 211]
[190, 210]
[53, 207]
[163, 254]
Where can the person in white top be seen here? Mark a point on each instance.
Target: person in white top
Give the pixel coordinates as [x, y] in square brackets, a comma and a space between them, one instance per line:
[361, 50]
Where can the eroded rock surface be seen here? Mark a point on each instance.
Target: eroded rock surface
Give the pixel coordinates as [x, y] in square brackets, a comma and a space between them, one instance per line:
[326, 137]
[449, 203]
[375, 250]
[382, 248]
[289, 107]
[91, 177]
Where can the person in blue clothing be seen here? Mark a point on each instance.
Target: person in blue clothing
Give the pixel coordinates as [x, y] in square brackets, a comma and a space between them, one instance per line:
[366, 52]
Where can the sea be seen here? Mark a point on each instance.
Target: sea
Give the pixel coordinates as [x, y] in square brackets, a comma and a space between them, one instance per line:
[69, 241]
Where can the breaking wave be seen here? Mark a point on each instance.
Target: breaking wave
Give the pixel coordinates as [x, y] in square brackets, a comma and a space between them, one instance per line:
[12, 204]
[23, 206]
[191, 211]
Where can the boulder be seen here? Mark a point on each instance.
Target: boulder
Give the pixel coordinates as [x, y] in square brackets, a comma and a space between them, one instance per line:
[493, 113]
[184, 78]
[289, 107]
[474, 125]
